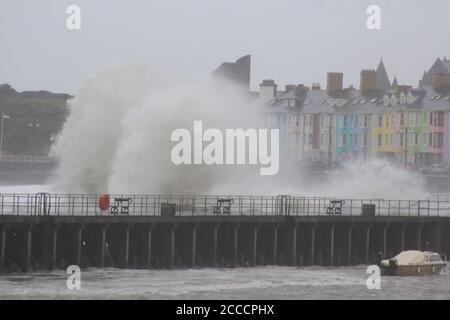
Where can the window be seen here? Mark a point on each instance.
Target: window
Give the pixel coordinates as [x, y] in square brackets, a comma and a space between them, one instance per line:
[297, 121]
[430, 139]
[386, 140]
[401, 139]
[344, 139]
[326, 120]
[431, 118]
[365, 140]
[379, 120]
[435, 257]
[396, 139]
[438, 139]
[366, 121]
[379, 140]
[345, 122]
[439, 119]
[402, 119]
[414, 119]
[308, 120]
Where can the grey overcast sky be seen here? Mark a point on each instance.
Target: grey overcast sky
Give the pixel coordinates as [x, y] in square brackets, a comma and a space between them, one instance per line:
[291, 41]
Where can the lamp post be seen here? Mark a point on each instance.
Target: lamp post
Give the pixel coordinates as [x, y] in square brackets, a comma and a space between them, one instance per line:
[328, 132]
[405, 131]
[4, 116]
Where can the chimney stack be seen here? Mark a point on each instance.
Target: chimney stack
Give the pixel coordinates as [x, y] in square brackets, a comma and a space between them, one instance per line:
[334, 81]
[441, 81]
[289, 87]
[368, 80]
[402, 88]
[315, 86]
[300, 90]
[267, 90]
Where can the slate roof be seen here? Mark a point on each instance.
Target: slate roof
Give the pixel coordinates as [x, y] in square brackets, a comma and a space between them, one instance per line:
[439, 66]
[352, 101]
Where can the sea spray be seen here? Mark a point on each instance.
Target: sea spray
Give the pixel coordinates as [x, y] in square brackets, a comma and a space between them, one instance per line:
[117, 139]
[88, 144]
[373, 179]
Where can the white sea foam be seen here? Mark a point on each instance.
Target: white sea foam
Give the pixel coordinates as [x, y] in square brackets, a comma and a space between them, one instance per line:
[269, 282]
[117, 139]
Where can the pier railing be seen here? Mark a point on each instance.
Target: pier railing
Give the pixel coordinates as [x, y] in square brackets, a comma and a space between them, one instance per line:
[25, 159]
[183, 205]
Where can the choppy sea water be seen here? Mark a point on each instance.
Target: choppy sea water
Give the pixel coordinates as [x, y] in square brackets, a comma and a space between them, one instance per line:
[241, 283]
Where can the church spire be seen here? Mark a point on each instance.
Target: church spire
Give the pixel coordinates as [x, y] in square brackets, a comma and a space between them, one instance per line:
[383, 82]
[395, 83]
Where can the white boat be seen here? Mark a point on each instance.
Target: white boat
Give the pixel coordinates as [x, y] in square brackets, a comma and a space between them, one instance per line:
[414, 263]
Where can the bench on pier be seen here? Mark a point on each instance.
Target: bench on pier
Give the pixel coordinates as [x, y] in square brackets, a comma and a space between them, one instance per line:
[121, 205]
[223, 206]
[335, 207]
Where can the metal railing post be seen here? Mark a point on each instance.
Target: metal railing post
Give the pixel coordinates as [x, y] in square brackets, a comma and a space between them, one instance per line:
[351, 207]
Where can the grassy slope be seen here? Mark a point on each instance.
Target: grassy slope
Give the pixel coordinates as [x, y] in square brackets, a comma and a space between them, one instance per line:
[47, 109]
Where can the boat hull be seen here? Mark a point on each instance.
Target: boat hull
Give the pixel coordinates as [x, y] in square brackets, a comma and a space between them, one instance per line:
[414, 270]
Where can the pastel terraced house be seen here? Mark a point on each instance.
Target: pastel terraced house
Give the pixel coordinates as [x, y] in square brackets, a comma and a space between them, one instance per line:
[404, 124]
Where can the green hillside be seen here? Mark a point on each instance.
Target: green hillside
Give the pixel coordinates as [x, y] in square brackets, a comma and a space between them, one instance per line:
[36, 117]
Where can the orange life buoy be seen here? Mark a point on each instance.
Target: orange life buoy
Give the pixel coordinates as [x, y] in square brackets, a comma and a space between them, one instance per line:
[103, 201]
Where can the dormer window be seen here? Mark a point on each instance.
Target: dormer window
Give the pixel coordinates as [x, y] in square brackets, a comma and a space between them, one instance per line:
[386, 100]
[393, 100]
[291, 102]
[402, 98]
[409, 98]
